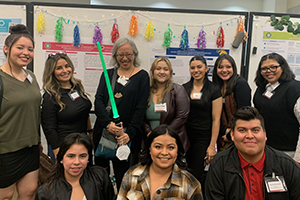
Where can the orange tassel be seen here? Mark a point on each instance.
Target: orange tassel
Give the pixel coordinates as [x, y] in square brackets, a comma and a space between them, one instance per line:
[133, 28]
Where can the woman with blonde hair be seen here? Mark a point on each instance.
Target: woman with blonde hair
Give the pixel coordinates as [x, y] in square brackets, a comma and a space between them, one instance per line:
[65, 107]
[168, 102]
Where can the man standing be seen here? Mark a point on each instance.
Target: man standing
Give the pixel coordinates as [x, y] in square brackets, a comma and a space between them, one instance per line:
[250, 169]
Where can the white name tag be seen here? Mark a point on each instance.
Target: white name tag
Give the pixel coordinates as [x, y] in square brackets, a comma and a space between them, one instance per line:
[197, 95]
[122, 81]
[275, 184]
[268, 94]
[30, 79]
[74, 95]
[160, 107]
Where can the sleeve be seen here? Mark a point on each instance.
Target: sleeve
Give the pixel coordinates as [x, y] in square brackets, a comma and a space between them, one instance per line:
[197, 195]
[297, 115]
[124, 188]
[242, 93]
[49, 120]
[146, 128]
[214, 188]
[182, 108]
[41, 195]
[108, 192]
[140, 109]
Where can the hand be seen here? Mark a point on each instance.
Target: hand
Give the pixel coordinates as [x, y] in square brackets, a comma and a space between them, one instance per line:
[41, 148]
[123, 139]
[149, 133]
[55, 151]
[116, 130]
[210, 153]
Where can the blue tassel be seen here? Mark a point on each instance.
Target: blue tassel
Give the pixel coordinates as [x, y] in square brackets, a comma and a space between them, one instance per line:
[184, 43]
[76, 42]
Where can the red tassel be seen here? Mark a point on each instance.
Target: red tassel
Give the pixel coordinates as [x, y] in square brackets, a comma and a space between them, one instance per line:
[114, 33]
[220, 39]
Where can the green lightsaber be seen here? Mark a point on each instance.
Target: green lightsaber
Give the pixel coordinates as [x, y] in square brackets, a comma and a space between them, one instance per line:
[110, 92]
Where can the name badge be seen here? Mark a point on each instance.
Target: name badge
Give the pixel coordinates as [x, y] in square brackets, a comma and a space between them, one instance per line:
[160, 107]
[122, 81]
[74, 95]
[197, 95]
[29, 78]
[268, 94]
[275, 184]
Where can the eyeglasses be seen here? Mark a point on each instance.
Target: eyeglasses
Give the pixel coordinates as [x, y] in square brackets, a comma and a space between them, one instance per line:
[128, 55]
[57, 55]
[272, 69]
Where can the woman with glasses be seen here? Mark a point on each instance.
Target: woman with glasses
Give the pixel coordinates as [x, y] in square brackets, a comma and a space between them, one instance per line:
[235, 91]
[19, 117]
[65, 106]
[131, 90]
[168, 102]
[277, 100]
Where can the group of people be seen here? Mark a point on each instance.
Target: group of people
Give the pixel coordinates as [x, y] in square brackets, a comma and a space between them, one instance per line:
[174, 130]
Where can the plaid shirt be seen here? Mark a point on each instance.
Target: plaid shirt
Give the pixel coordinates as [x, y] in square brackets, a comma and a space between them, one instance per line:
[180, 185]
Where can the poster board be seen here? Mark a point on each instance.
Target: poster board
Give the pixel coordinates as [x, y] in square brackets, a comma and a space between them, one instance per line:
[266, 39]
[11, 13]
[86, 59]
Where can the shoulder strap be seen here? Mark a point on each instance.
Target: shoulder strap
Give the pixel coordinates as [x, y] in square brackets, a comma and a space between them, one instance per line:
[113, 82]
[1, 91]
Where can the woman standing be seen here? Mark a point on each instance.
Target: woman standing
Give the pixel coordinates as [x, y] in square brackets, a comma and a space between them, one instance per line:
[65, 107]
[168, 102]
[236, 93]
[277, 100]
[204, 120]
[19, 118]
[72, 177]
[131, 91]
[162, 173]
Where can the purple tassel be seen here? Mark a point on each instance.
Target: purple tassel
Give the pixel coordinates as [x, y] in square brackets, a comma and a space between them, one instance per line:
[76, 36]
[97, 35]
[201, 42]
[184, 43]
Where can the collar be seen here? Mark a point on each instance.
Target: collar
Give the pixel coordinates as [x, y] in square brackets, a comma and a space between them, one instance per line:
[259, 166]
[272, 86]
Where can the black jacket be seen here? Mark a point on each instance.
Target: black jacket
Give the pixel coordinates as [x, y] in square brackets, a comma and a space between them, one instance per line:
[94, 181]
[225, 176]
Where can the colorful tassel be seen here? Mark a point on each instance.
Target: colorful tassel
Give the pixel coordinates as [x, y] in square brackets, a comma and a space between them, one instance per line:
[149, 31]
[76, 36]
[40, 24]
[184, 43]
[58, 29]
[168, 37]
[201, 42]
[97, 35]
[241, 28]
[220, 39]
[133, 28]
[115, 32]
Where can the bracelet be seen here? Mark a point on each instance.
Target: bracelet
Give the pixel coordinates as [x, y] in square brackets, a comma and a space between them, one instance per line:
[90, 130]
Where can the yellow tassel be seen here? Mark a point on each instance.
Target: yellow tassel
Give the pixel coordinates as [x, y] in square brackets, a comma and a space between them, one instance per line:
[133, 28]
[149, 31]
[41, 24]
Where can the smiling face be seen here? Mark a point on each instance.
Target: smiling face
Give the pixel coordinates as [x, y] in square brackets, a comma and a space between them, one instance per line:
[75, 161]
[163, 151]
[63, 72]
[162, 72]
[21, 52]
[271, 77]
[250, 139]
[198, 70]
[125, 56]
[225, 70]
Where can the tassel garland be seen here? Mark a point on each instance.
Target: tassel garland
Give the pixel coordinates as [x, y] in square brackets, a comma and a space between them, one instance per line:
[133, 28]
[168, 37]
[76, 36]
[184, 43]
[40, 24]
[241, 28]
[114, 33]
[149, 31]
[97, 35]
[220, 39]
[58, 29]
[201, 42]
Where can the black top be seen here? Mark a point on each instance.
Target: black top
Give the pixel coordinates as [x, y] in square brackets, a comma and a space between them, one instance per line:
[281, 124]
[58, 124]
[242, 93]
[131, 105]
[201, 110]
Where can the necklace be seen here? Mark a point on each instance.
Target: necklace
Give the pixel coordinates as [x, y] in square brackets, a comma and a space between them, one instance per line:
[129, 74]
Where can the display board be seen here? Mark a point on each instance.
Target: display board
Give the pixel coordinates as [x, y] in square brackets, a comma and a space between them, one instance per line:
[86, 59]
[11, 13]
[265, 39]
